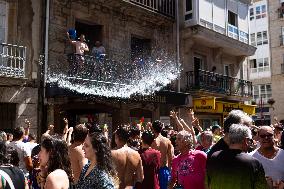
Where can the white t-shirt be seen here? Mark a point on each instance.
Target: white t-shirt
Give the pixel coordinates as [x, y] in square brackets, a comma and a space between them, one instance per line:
[272, 167]
[23, 151]
[31, 145]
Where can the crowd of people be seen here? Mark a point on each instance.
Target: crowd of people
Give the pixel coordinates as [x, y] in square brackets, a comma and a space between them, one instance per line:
[238, 155]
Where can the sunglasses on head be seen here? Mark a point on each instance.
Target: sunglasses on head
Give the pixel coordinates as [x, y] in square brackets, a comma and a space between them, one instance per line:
[266, 136]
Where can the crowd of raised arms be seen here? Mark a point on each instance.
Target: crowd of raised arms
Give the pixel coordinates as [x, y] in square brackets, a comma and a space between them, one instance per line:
[237, 155]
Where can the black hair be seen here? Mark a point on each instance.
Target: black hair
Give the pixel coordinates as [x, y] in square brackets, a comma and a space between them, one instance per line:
[157, 126]
[122, 134]
[148, 137]
[32, 136]
[58, 155]
[94, 128]
[103, 153]
[18, 133]
[80, 133]
[230, 120]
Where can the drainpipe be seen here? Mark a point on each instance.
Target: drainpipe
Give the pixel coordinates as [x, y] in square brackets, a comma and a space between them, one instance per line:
[177, 38]
[46, 42]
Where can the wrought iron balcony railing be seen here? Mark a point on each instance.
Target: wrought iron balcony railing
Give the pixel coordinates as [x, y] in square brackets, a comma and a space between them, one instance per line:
[164, 7]
[12, 60]
[217, 83]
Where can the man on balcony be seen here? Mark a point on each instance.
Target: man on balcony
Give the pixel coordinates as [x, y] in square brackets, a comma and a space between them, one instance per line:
[80, 48]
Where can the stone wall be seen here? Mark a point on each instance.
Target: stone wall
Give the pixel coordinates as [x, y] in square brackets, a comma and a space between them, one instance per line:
[277, 53]
[24, 29]
[120, 20]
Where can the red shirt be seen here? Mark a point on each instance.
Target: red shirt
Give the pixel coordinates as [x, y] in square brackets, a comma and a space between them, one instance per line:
[151, 164]
[191, 169]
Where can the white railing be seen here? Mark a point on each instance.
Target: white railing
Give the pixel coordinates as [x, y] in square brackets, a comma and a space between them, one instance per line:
[233, 31]
[12, 60]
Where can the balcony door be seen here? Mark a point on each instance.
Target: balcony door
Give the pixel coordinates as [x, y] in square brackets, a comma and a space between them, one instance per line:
[198, 64]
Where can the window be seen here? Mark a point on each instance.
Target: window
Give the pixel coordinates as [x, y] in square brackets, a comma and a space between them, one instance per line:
[255, 92]
[263, 11]
[259, 65]
[264, 37]
[253, 63]
[259, 38]
[282, 36]
[3, 21]
[188, 10]
[232, 18]
[252, 39]
[140, 49]
[260, 12]
[251, 13]
[262, 91]
[226, 70]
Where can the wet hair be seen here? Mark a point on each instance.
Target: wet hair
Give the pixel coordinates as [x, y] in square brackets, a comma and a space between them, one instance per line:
[122, 134]
[103, 153]
[236, 117]
[157, 126]
[3, 153]
[8, 155]
[18, 133]
[148, 137]
[238, 132]
[58, 155]
[94, 128]
[32, 136]
[215, 127]
[134, 131]
[187, 137]
[80, 133]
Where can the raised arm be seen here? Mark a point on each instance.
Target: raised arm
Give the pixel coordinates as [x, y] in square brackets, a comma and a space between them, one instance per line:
[174, 115]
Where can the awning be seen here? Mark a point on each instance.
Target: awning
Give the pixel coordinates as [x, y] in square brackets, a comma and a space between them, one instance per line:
[211, 105]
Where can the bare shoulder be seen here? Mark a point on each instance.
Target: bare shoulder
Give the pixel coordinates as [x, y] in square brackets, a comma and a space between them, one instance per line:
[58, 173]
[57, 179]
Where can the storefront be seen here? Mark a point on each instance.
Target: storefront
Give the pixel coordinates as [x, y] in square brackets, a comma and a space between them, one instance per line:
[212, 111]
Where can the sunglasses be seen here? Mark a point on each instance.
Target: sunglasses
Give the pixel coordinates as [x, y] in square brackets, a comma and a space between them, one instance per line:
[266, 136]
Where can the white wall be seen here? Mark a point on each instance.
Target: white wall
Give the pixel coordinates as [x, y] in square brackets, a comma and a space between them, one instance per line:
[205, 10]
[263, 51]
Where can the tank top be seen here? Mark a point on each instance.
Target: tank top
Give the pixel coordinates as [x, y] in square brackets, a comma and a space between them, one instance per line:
[16, 175]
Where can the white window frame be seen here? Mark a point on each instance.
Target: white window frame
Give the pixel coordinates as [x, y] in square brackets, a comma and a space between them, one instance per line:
[265, 94]
[252, 39]
[261, 14]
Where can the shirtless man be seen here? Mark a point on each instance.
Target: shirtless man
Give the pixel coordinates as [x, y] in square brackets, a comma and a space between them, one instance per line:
[163, 145]
[76, 153]
[127, 161]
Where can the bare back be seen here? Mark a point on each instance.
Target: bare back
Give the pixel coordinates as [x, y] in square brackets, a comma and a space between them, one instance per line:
[128, 166]
[57, 179]
[77, 159]
[164, 145]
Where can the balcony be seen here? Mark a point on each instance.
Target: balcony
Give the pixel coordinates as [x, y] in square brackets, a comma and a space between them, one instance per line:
[12, 60]
[220, 85]
[164, 7]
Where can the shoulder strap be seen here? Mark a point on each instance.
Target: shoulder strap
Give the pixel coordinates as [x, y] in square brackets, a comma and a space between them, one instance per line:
[7, 178]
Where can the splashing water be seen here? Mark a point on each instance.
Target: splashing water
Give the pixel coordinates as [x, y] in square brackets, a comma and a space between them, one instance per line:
[103, 76]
